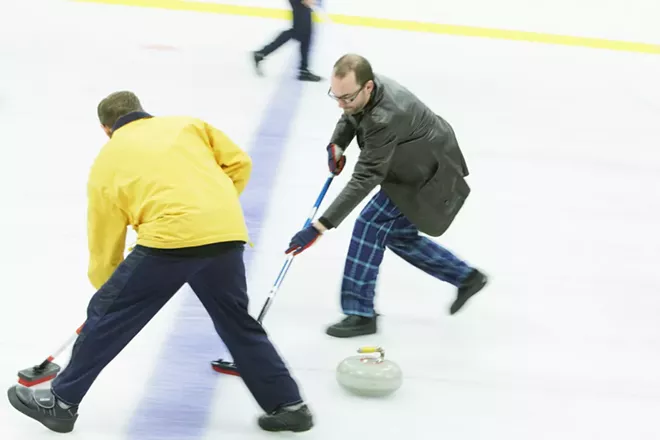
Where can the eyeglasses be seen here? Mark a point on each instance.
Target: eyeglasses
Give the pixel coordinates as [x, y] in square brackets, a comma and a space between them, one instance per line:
[347, 99]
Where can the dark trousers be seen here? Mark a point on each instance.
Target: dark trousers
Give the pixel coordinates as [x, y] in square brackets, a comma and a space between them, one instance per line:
[381, 225]
[300, 31]
[141, 286]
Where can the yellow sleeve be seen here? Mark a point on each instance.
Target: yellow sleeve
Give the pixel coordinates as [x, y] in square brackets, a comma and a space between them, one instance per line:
[106, 235]
[232, 159]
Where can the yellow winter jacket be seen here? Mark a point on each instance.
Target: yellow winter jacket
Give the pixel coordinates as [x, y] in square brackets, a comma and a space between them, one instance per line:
[175, 180]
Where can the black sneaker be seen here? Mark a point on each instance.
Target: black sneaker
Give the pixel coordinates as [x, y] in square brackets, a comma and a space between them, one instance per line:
[43, 406]
[294, 418]
[306, 75]
[352, 326]
[471, 286]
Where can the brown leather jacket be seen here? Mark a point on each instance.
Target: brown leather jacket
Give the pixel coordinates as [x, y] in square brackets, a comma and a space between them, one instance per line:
[409, 151]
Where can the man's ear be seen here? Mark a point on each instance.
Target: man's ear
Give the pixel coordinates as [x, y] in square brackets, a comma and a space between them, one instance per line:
[107, 130]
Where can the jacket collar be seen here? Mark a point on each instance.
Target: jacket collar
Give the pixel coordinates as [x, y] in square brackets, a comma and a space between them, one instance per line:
[376, 94]
[128, 118]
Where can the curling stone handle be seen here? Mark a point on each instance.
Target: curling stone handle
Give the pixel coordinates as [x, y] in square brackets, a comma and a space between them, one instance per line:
[373, 349]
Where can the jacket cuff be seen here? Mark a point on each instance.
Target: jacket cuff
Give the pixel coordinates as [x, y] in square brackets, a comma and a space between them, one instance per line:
[325, 222]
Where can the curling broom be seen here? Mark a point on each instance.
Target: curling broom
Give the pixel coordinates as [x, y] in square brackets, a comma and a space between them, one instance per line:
[46, 370]
[228, 367]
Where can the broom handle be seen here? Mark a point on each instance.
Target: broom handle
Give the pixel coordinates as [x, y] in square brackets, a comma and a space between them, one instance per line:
[289, 260]
[59, 351]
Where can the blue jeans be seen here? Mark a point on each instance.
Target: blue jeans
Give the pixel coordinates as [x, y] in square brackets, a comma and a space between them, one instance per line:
[381, 225]
[142, 284]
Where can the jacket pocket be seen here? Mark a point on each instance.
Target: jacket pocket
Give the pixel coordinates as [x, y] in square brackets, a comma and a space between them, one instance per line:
[442, 197]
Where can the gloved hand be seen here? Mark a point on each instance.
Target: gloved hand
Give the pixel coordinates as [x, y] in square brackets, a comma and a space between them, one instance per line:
[336, 158]
[303, 239]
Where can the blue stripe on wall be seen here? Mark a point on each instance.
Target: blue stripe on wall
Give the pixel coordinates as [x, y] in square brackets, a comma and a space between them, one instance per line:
[179, 394]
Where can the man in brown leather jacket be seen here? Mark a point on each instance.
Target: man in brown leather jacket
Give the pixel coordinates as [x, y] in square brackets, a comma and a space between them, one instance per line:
[413, 155]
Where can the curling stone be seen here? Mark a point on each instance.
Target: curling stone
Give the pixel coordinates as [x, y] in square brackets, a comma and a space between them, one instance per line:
[369, 376]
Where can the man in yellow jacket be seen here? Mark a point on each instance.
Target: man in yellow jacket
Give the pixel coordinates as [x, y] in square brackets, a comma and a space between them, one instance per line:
[176, 181]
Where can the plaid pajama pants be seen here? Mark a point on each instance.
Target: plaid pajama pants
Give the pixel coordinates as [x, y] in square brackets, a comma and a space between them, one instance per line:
[381, 225]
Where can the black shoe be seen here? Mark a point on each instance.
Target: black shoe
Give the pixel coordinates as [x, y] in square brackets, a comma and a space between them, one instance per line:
[296, 418]
[352, 326]
[471, 286]
[257, 58]
[306, 75]
[43, 406]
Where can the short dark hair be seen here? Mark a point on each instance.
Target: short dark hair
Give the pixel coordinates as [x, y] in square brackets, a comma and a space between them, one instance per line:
[116, 105]
[354, 63]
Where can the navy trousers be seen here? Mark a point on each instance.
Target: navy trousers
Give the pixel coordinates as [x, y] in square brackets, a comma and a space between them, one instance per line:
[142, 284]
[300, 30]
[381, 225]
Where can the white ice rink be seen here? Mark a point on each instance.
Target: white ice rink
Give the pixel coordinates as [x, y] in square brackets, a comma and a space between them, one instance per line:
[564, 153]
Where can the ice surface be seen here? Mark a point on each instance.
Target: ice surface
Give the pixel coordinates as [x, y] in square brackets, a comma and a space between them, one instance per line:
[562, 146]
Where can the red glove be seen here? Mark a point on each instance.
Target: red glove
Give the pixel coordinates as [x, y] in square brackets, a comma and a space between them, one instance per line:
[336, 159]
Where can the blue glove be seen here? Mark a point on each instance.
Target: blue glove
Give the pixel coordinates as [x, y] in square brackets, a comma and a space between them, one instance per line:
[336, 158]
[303, 239]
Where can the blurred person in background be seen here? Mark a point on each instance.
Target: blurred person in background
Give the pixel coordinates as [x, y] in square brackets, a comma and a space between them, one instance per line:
[301, 31]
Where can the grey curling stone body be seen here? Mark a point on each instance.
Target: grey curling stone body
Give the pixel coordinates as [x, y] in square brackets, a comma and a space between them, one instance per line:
[369, 376]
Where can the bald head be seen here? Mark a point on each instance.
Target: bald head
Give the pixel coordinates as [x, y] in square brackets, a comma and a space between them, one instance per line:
[352, 82]
[356, 64]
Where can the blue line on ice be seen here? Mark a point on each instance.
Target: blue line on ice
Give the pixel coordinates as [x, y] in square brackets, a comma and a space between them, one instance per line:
[179, 394]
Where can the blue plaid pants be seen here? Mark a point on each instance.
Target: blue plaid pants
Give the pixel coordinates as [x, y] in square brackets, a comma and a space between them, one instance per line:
[381, 225]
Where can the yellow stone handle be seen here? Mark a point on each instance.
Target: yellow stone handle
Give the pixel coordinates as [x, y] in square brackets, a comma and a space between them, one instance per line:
[372, 349]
